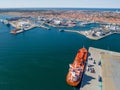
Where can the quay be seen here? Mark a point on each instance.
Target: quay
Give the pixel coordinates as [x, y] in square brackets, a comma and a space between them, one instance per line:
[19, 30]
[90, 35]
[84, 33]
[72, 31]
[42, 26]
[102, 70]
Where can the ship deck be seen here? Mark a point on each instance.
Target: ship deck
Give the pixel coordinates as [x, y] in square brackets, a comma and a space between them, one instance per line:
[108, 70]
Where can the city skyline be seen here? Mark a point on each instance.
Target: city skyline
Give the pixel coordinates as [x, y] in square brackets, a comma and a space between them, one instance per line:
[61, 3]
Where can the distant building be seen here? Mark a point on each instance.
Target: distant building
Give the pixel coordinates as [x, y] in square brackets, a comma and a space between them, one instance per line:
[23, 24]
[57, 22]
[98, 33]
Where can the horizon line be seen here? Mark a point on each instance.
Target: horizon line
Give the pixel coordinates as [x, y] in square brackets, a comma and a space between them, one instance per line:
[59, 7]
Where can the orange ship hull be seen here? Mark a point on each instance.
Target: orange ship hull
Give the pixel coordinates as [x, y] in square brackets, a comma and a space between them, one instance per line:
[76, 69]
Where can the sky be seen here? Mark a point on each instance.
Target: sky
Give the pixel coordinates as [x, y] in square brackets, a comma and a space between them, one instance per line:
[60, 3]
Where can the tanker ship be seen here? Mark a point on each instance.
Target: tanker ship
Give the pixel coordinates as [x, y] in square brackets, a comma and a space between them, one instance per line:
[76, 69]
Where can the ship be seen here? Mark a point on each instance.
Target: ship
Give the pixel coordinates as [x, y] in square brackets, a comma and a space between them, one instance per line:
[61, 30]
[76, 69]
[16, 31]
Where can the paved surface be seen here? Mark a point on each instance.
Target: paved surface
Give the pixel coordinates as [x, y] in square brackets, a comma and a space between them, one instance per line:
[90, 80]
[111, 71]
[108, 70]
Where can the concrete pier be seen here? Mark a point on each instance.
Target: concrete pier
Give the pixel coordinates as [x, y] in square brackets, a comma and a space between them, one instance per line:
[106, 66]
[89, 34]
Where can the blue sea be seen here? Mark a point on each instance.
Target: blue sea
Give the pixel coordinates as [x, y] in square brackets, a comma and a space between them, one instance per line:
[38, 59]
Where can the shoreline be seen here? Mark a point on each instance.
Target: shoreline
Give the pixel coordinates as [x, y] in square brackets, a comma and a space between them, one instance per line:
[109, 21]
[90, 36]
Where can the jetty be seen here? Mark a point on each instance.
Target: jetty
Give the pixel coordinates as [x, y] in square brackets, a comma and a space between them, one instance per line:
[102, 70]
